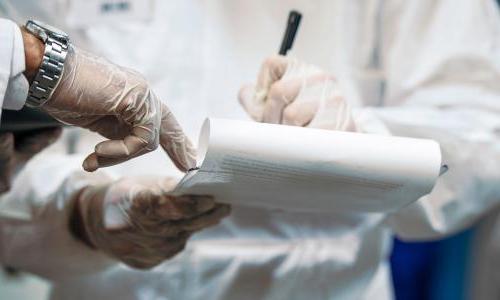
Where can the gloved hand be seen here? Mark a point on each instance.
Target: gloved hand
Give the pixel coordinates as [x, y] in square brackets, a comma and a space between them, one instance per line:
[291, 92]
[119, 104]
[17, 149]
[139, 222]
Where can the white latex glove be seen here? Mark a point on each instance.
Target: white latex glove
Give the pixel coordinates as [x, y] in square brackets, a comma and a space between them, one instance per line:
[139, 222]
[291, 92]
[119, 104]
[17, 148]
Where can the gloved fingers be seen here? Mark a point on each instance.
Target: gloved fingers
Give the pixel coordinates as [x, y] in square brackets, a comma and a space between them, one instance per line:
[173, 140]
[135, 241]
[147, 204]
[300, 113]
[174, 249]
[111, 127]
[252, 104]
[279, 81]
[333, 113]
[27, 145]
[287, 90]
[169, 218]
[153, 214]
[313, 91]
[281, 94]
[183, 207]
[148, 255]
[209, 219]
[173, 228]
[140, 250]
[119, 104]
[170, 246]
[141, 140]
[253, 97]
[7, 160]
[272, 69]
[93, 162]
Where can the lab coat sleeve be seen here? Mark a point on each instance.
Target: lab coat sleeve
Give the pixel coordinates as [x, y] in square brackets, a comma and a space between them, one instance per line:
[13, 84]
[449, 91]
[470, 146]
[40, 242]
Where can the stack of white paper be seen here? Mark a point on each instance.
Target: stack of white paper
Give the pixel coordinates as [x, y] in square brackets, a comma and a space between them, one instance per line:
[293, 168]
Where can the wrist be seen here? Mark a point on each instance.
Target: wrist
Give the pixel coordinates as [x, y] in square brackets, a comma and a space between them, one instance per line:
[34, 49]
[77, 221]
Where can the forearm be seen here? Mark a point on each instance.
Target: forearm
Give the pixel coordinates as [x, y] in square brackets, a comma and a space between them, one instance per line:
[43, 243]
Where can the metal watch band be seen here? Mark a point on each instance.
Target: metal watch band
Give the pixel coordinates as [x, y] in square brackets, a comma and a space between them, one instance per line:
[49, 73]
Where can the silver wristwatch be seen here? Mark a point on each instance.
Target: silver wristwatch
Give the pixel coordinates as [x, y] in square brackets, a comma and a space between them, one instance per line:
[51, 69]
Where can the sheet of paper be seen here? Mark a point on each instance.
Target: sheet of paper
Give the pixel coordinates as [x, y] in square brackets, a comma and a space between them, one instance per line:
[293, 168]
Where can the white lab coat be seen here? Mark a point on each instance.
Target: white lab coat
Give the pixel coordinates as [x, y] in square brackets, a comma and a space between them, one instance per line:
[13, 85]
[421, 69]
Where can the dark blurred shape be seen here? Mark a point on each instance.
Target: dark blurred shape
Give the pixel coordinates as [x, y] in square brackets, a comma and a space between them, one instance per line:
[11, 272]
[26, 119]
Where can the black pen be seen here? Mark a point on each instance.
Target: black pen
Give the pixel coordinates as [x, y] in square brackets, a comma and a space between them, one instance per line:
[292, 25]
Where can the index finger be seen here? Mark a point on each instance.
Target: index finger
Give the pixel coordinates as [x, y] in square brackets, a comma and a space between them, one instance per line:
[142, 139]
[175, 142]
[273, 69]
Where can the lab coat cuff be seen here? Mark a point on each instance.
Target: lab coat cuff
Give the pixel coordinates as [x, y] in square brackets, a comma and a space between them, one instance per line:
[12, 65]
[17, 88]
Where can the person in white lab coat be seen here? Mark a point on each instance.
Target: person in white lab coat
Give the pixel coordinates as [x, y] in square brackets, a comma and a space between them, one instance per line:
[87, 91]
[13, 92]
[147, 225]
[420, 69]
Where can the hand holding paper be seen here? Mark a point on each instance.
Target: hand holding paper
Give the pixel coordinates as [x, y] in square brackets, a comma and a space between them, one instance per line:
[138, 221]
